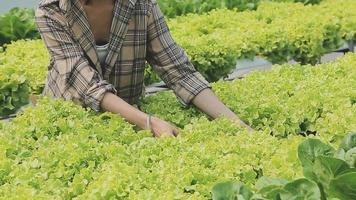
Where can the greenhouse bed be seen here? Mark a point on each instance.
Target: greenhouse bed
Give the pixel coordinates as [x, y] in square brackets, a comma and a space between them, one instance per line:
[243, 68]
[302, 116]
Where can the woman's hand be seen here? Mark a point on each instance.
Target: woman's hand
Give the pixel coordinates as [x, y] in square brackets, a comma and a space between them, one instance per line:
[115, 104]
[243, 124]
[161, 128]
[210, 104]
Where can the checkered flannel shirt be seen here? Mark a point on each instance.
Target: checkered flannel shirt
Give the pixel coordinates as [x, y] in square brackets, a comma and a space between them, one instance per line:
[139, 33]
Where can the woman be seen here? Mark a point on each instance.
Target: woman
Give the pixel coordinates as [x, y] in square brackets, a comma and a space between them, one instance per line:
[98, 52]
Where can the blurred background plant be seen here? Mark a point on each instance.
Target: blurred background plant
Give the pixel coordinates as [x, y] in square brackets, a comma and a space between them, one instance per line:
[17, 24]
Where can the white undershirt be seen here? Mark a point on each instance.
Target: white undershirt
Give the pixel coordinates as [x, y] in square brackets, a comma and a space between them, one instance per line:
[103, 51]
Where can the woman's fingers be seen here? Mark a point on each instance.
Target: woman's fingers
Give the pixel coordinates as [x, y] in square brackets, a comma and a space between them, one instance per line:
[162, 128]
[250, 129]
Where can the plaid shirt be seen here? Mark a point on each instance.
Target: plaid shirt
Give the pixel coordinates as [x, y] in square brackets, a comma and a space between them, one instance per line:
[138, 34]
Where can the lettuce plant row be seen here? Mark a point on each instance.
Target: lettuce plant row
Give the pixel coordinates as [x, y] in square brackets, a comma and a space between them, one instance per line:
[173, 8]
[276, 31]
[58, 150]
[18, 23]
[287, 100]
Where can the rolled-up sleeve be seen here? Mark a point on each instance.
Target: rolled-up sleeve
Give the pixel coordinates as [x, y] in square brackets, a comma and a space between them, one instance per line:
[170, 61]
[70, 77]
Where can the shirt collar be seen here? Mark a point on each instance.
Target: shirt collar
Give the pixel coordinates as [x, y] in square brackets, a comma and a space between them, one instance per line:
[64, 5]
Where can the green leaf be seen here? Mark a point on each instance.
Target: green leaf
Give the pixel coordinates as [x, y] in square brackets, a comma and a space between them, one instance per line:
[340, 154]
[272, 191]
[344, 186]
[231, 191]
[349, 142]
[325, 169]
[350, 157]
[266, 182]
[309, 150]
[300, 189]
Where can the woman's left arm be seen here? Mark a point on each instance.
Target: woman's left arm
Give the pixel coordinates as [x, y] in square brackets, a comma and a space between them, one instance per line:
[173, 66]
[210, 104]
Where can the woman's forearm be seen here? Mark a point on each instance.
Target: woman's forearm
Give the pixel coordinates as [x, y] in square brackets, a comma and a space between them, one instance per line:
[115, 104]
[210, 104]
[158, 127]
